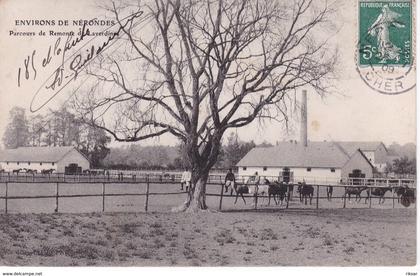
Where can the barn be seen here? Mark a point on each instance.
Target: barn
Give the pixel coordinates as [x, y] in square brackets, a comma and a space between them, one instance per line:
[313, 162]
[375, 151]
[62, 159]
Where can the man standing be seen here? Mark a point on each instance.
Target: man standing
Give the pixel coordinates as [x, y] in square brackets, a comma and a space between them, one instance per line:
[229, 181]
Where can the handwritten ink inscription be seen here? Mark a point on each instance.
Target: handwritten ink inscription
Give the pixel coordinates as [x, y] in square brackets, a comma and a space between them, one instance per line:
[73, 54]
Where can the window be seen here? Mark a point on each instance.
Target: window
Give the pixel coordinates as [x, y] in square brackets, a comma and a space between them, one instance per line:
[52, 163]
[244, 168]
[7, 162]
[264, 168]
[17, 163]
[40, 163]
[29, 163]
[308, 169]
[332, 169]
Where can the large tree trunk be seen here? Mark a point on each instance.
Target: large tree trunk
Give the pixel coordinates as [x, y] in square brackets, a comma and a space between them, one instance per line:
[196, 197]
[200, 165]
[197, 200]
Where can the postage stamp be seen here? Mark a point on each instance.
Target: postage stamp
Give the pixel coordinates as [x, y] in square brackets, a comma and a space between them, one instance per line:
[385, 51]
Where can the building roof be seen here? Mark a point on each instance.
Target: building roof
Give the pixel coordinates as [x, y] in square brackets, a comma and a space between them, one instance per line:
[351, 147]
[289, 154]
[35, 154]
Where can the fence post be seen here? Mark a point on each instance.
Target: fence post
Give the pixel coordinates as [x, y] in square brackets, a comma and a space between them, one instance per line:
[5, 199]
[221, 193]
[370, 197]
[393, 195]
[103, 197]
[56, 198]
[345, 197]
[317, 195]
[289, 196]
[147, 193]
[256, 196]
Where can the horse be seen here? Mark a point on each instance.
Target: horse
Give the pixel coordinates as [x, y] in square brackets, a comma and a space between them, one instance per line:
[290, 191]
[240, 191]
[253, 189]
[277, 189]
[17, 171]
[305, 191]
[31, 171]
[348, 191]
[407, 195]
[329, 192]
[379, 192]
[404, 191]
[49, 171]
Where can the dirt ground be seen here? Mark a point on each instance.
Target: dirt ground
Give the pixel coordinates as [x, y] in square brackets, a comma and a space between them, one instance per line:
[294, 237]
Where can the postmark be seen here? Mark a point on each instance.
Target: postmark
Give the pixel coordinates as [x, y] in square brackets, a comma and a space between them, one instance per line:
[385, 53]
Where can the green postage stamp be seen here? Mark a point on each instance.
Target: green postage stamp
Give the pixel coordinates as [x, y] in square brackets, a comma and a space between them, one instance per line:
[385, 32]
[385, 51]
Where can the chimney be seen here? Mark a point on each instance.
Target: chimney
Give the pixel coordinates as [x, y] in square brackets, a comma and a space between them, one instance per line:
[304, 120]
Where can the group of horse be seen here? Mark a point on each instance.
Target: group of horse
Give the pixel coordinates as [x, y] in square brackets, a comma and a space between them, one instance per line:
[30, 171]
[281, 192]
[400, 191]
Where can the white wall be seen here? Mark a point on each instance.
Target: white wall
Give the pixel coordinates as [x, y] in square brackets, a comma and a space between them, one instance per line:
[73, 157]
[24, 165]
[316, 175]
[370, 155]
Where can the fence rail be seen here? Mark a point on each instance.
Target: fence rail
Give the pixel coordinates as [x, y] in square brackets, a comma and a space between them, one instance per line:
[150, 181]
[176, 177]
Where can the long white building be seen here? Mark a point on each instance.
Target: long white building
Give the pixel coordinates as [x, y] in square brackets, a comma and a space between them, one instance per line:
[315, 162]
[61, 159]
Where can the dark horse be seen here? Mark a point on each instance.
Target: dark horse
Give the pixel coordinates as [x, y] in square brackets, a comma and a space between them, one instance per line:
[49, 171]
[305, 191]
[17, 171]
[278, 190]
[348, 191]
[329, 192]
[290, 191]
[405, 191]
[259, 189]
[379, 192]
[240, 191]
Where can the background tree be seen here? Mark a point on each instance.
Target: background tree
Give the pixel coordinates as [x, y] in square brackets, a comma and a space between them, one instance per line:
[56, 128]
[235, 150]
[196, 69]
[94, 144]
[17, 130]
[36, 130]
[402, 166]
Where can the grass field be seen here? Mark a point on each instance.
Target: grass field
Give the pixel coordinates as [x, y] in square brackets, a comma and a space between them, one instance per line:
[325, 237]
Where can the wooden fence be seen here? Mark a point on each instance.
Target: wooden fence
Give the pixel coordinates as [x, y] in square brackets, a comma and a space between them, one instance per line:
[149, 181]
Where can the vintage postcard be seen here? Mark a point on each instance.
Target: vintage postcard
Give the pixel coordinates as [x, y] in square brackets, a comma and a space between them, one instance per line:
[208, 133]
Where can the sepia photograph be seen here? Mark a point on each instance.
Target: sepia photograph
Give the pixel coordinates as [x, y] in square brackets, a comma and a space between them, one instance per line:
[207, 133]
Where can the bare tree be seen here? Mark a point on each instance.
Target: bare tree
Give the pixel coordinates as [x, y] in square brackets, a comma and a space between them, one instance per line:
[197, 68]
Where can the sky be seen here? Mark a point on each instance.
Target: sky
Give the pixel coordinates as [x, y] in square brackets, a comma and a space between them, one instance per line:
[355, 113]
